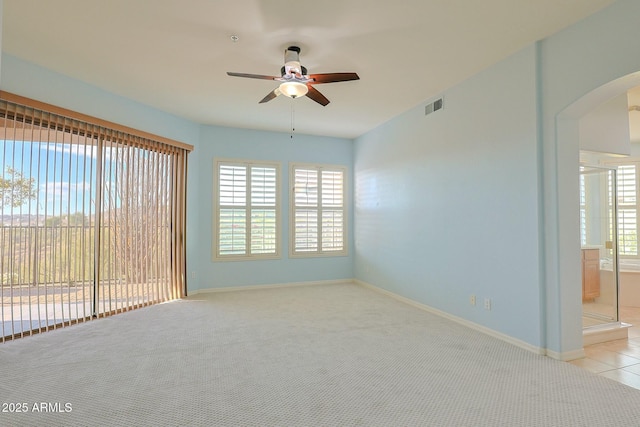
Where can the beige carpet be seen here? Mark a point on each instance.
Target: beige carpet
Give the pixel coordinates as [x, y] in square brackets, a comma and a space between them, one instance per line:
[330, 355]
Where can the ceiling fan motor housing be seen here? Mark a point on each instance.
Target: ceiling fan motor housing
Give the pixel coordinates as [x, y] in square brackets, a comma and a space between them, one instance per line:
[283, 70]
[292, 54]
[292, 62]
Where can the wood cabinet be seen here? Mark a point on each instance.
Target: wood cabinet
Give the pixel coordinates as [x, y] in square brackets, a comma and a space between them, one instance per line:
[590, 274]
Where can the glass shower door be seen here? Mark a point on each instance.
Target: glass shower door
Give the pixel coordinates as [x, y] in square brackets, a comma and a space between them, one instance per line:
[598, 254]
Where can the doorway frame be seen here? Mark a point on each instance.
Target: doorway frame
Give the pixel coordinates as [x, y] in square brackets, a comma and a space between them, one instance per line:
[567, 156]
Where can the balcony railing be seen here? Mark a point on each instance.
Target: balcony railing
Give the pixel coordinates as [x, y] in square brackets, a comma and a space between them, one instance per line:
[48, 277]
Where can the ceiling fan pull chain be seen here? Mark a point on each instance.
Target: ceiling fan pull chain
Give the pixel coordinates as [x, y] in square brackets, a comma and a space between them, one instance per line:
[293, 129]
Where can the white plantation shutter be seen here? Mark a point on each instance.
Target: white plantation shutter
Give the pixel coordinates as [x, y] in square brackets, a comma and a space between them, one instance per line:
[627, 187]
[318, 210]
[332, 211]
[246, 210]
[263, 210]
[627, 209]
[306, 210]
[306, 230]
[583, 211]
[233, 215]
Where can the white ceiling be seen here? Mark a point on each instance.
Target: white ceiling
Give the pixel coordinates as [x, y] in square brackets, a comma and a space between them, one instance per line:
[173, 55]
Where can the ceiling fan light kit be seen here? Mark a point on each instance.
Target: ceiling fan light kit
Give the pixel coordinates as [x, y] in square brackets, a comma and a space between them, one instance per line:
[293, 89]
[295, 82]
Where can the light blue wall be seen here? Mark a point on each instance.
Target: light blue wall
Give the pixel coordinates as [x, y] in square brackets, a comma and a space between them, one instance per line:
[32, 81]
[447, 204]
[256, 145]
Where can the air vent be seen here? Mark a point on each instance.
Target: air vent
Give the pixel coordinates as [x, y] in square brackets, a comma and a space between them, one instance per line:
[434, 106]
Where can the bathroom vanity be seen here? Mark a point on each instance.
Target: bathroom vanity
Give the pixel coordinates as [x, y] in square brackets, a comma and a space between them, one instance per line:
[590, 273]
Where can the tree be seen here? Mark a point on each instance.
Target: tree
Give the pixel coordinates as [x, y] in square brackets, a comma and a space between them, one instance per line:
[16, 190]
[77, 218]
[54, 221]
[136, 209]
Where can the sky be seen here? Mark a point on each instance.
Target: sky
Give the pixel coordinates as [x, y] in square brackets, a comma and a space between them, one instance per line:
[64, 176]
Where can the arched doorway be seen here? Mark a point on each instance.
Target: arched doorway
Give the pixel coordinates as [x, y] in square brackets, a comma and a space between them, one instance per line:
[568, 163]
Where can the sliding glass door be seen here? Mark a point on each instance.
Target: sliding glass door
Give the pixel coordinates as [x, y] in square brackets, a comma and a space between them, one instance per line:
[92, 221]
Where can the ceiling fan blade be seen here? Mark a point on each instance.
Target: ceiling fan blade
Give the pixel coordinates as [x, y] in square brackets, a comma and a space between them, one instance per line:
[317, 96]
[333, 77]
[270, 96]
[251, 76]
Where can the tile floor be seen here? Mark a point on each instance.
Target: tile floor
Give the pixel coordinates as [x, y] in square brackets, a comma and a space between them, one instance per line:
[619, 359]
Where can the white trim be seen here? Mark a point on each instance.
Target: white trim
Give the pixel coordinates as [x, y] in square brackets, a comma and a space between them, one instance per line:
[459, 320]
[269, 286]
[567, 355]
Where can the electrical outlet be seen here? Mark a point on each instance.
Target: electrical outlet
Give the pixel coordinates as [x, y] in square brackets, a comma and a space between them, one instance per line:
[193, 274]
[487, 304]
[472, 299]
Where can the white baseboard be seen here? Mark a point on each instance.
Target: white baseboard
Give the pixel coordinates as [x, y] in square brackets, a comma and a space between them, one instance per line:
[464, 322]
[269, 286]
[567, 355]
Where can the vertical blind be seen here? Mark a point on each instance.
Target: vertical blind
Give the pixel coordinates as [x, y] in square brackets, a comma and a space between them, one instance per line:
[93, 219]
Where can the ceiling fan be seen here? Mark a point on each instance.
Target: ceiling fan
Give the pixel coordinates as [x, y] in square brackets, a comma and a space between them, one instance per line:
[295, 81]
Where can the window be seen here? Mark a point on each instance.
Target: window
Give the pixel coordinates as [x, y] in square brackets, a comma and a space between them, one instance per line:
[627, 196]
[318, 215]
[246, 208]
